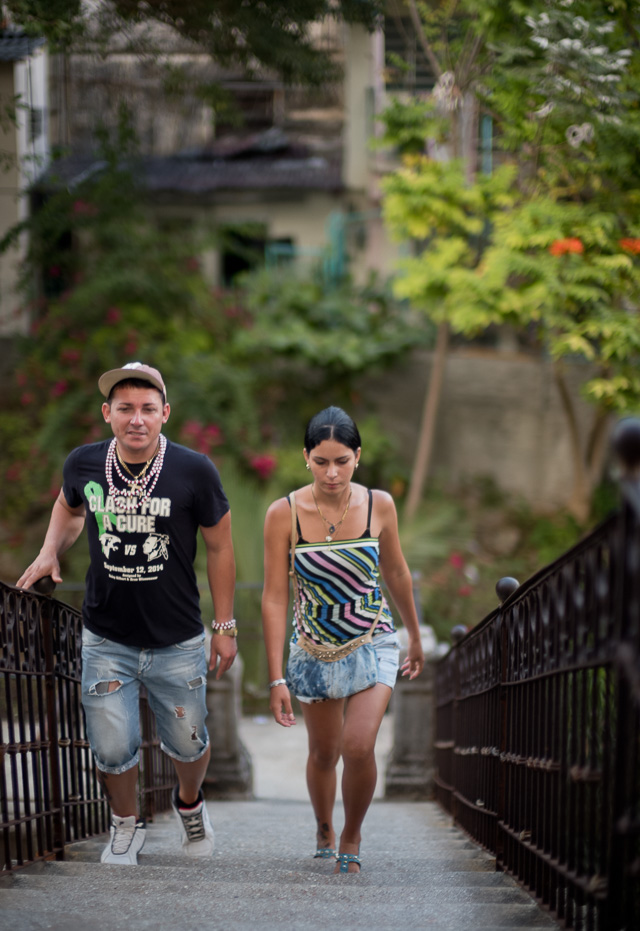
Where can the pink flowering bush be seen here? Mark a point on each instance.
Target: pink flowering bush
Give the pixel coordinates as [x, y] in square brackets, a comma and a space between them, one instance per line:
[263, 465]
[203, 437]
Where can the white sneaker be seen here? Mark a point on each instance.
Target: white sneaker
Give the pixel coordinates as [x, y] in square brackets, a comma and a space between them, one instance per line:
[195, 827]
[127, 838]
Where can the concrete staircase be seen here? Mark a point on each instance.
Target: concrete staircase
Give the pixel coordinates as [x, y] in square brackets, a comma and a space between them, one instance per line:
[418, 872]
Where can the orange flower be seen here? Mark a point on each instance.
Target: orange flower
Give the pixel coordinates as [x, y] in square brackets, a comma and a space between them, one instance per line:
[563, 246]
[630, 245]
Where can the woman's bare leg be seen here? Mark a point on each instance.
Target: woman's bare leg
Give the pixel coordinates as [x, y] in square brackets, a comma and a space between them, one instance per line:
[324, 730]
[363, 716]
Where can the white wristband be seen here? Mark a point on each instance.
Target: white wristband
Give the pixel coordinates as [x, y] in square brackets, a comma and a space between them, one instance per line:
[275, 682]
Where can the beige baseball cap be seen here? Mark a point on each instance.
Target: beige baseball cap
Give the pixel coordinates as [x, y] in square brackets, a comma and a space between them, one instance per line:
[137, 370]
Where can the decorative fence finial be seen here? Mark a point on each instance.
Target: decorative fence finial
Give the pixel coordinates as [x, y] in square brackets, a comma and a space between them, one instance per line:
[44, 586]
[625, 441]
[506, 587]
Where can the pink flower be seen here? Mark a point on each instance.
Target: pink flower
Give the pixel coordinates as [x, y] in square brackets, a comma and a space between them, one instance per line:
[27, 399]
[203, 437]
[263, 465]
[464, 591]
[212, 433]
[13, 472]
[456, 561]
[70, 355]
[191, 428]
[113, 315]
[59, 388]
[84, 208]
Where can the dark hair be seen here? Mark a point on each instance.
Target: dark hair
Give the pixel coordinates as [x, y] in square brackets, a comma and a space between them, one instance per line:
[332, 424]
[134, 383]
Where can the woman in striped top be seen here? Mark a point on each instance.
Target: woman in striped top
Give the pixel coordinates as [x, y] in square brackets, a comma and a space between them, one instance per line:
[346, 538]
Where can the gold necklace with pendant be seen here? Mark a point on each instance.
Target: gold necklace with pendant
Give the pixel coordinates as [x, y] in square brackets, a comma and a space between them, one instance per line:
[332, 528]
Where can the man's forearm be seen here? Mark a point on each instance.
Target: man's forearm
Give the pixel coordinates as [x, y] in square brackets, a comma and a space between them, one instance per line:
[64, 529]
[65, 526]
[221, 573]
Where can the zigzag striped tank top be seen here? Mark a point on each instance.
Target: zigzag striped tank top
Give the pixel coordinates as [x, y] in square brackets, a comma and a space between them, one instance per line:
[339, 588]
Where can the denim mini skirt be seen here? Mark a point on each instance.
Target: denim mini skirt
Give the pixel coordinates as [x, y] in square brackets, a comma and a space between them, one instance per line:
[387, 650]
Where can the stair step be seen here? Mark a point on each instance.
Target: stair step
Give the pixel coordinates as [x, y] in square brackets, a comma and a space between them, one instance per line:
[418, 871]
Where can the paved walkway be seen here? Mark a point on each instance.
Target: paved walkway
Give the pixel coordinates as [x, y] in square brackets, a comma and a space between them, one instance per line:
[418, 870]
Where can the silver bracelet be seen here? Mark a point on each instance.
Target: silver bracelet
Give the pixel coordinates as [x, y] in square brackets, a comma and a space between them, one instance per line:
[275, 682]
[223, 625]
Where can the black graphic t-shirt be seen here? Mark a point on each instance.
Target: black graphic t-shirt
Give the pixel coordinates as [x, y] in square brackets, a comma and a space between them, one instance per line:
[141, 586]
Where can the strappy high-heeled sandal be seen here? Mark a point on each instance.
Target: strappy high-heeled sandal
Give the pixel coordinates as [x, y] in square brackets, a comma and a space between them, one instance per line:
[324, 853]
[344, 859]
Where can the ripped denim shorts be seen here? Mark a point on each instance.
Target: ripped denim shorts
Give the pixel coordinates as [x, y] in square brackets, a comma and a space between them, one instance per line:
[175, 678]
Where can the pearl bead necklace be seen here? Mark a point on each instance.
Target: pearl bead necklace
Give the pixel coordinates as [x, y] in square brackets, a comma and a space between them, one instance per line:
[138, 489]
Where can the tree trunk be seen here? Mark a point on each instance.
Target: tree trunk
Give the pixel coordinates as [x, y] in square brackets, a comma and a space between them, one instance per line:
[428, 424]
[598, 445]
[579, 503]
[464, 133]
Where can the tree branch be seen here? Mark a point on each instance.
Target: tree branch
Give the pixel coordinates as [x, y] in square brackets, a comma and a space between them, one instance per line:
[426, 435]
[468, 60]
[424, 42]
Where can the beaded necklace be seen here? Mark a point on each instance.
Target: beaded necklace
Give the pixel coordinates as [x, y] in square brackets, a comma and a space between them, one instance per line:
[138, 488]
[143, 471]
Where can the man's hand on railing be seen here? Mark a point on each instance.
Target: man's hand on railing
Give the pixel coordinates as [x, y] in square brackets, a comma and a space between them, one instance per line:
[44, 586]
[44, 572]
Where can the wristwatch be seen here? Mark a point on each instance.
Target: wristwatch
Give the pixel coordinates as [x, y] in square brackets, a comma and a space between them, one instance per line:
[227, 632]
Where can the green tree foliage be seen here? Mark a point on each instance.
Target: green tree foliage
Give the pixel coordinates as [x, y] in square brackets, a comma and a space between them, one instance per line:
[450, 226]
[570, 108]
[549, 245]
[62, 22]
[277, 34]
[116, 288]
[339, 331]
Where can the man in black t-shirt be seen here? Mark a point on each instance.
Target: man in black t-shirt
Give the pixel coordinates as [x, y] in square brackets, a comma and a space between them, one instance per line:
[143, 500]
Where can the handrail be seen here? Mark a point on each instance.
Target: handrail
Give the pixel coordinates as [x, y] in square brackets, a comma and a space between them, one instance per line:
[49, 793]
[538, 722]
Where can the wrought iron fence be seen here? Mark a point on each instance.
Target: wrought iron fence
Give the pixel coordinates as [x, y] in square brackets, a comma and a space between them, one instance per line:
[49, 794]
[538, 724]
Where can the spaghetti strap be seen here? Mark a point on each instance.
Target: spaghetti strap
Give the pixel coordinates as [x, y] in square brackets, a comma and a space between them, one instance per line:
[367, 532]
[300, 537]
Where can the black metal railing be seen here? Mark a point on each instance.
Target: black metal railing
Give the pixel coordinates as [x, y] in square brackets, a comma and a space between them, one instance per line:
[49, 793]
[538, 724]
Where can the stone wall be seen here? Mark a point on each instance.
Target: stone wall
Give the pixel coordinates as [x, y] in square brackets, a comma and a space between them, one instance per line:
[500, 417]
